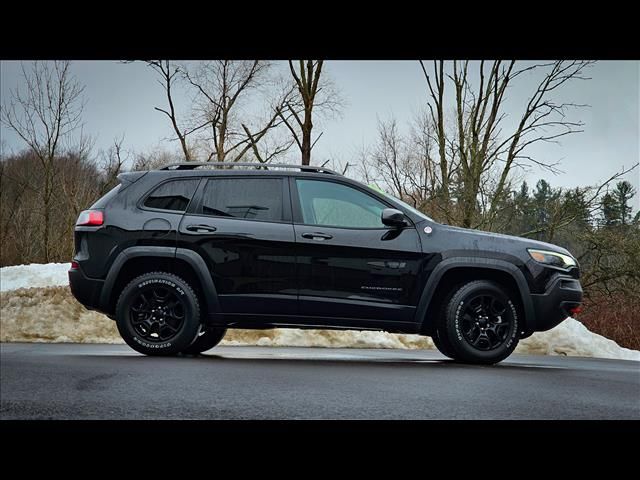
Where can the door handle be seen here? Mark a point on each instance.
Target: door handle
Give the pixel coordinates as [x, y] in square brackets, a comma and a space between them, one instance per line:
[317, 236]
[201, 228]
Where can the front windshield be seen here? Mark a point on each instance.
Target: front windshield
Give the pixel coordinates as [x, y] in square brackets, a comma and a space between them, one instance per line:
[407, 206]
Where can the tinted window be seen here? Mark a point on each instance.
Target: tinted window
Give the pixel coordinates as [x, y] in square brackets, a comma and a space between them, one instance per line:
[333, 204]
[251, 198]
[174, 195]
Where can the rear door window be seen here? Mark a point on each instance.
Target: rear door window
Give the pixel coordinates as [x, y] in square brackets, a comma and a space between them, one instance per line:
[248, 198]
[174, 195]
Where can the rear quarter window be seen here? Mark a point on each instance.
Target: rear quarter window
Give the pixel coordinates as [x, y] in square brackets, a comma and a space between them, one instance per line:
[173, 195]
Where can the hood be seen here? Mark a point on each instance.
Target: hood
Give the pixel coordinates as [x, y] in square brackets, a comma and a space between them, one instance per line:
[466, 238]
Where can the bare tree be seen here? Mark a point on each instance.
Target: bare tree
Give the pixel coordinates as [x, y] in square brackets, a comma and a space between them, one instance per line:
[157, 157]
[313, 95]
[407, 165]
[391, 157]
[112, 164]
[169, 74]
[223, 87]
[481, 144]
[77, 189]
[13, 189]
[45, 112]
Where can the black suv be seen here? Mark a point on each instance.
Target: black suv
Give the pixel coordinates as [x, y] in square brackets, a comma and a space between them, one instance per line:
[178, 255]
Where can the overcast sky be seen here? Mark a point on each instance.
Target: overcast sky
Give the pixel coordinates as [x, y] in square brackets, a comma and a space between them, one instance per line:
[120, 100]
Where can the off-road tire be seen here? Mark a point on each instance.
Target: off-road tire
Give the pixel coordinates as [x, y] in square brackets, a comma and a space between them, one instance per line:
[454, 339]
[185, 299]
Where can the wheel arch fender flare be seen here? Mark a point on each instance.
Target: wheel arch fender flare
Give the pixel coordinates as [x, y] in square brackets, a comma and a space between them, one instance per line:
[478, 263]
[193, 259]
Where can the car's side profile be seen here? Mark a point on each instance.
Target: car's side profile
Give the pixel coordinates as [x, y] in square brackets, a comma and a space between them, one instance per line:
[178, 255]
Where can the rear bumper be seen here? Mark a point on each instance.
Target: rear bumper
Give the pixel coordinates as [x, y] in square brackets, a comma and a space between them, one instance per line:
[561, 295]
[86, 290]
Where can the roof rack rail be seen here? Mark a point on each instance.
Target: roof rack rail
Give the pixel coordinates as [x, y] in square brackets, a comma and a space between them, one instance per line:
[257, 166]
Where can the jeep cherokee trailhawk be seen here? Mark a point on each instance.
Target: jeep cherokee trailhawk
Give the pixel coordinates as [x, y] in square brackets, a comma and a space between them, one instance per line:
[179, 255]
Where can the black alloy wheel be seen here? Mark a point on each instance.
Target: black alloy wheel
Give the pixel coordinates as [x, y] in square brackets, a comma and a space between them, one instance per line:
[485, 322]
[156, 313]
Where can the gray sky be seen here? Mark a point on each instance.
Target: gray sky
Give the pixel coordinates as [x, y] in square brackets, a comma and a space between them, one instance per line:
[120, 100]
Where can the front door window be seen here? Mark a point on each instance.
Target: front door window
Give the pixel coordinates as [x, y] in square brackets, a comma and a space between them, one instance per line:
[335, 205]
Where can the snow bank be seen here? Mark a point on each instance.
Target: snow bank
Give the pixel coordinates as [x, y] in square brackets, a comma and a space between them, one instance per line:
[294, 337]
[51, 314]
[572, 338]
[34, 275]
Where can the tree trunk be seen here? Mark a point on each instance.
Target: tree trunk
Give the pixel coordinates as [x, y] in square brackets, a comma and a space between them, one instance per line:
[306, 138]
[46, 203]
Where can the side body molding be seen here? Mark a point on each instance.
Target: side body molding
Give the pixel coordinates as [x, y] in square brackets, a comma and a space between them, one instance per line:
[475, 262]
[192, 258]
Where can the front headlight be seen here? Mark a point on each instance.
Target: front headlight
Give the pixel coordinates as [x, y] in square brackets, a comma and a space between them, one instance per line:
[552, 258]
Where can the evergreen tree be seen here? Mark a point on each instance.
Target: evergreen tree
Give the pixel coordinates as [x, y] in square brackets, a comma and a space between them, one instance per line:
[525, 219]
[622, 194]
[543, 198]
[576, 204]
[610, 213]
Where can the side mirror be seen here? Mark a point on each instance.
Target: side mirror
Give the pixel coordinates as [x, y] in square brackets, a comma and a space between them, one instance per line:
[393, 218]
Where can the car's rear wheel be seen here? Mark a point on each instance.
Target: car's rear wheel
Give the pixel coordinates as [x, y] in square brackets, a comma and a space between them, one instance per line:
[158, 314]
[208, 338]
[479, 323]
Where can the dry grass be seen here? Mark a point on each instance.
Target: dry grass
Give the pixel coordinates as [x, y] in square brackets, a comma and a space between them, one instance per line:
[617, 318]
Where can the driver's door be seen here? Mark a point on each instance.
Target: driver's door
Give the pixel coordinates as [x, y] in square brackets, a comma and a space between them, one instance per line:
[349, 264]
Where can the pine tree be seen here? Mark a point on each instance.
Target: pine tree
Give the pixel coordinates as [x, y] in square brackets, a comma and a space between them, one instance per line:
[576, 203]
[543, 198]
[616, 205]
[525, 219]
[610, 213]
[622, 194]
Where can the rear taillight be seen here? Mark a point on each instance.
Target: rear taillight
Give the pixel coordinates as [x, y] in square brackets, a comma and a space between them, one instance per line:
[74, 266]
[90, 218]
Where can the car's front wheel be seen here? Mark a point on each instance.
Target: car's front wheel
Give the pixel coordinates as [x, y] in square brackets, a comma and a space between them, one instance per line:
[443, 348]
[158, 314]
[479, 323]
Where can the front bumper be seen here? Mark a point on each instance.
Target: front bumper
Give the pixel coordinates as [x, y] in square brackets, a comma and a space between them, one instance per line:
[86, 290]
[562, 293]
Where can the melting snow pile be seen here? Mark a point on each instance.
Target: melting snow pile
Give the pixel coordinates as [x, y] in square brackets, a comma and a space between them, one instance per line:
[33, 276]
[572, 338]
[51, 315]
[37, 306]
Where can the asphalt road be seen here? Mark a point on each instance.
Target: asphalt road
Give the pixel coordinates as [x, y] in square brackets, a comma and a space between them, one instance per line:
[64, 381]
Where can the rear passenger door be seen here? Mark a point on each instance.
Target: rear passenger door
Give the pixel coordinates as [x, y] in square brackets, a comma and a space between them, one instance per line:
[241, 226]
